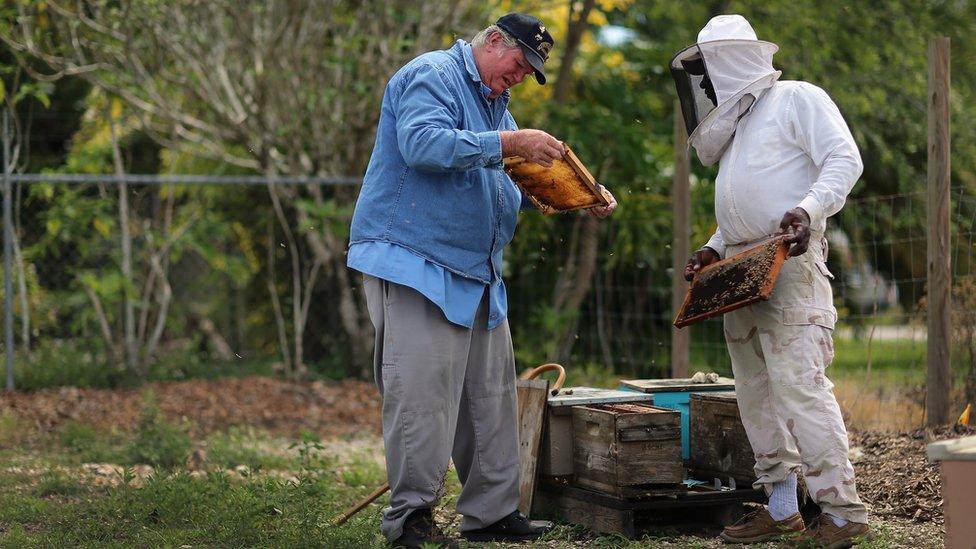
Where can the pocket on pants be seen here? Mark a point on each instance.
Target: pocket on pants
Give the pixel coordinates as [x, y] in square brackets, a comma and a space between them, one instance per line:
[805, 316]
[795, 281]
[801, 353]
[390, 380]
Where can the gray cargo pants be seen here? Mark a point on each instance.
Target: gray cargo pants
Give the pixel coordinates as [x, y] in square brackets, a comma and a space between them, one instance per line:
[780, 351]
[448, 391]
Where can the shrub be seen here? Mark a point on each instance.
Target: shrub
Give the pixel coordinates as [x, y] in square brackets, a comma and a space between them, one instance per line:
[157, 441]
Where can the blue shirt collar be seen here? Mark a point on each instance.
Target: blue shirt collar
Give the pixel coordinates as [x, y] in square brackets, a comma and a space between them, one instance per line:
[467, 55]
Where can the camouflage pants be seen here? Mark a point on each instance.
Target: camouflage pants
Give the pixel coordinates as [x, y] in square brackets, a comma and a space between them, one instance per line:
[780, 351]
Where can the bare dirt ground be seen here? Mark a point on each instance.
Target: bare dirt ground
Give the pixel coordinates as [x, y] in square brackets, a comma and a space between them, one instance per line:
[901, 487]
[328, 409]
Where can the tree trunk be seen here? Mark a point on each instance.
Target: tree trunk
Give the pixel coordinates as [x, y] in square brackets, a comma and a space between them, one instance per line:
[573, 288]
[576, 277]
[22, 290]
[132, 362]
[353, 316]
[276, 302]
[574, 35]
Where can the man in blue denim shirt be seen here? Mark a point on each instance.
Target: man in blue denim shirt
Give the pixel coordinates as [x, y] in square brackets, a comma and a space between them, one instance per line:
[435, 212]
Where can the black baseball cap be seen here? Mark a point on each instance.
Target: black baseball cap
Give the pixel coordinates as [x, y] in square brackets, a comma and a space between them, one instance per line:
[533, 38]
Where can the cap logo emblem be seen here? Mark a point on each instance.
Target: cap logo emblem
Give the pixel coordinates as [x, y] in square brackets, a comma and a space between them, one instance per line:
[542, 28]
[544, 48]
[538, 38]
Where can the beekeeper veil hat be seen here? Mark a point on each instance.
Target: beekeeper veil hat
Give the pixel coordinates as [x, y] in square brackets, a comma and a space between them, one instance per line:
[717, 79]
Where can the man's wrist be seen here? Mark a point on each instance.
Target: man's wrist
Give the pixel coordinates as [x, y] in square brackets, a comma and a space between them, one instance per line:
[804, 212]
[510, 142]
[811, 206]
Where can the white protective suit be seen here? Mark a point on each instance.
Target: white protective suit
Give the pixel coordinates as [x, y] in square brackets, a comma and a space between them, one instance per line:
[788, 147]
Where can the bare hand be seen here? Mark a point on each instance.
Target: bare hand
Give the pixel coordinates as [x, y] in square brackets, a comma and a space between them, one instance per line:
[698, 260]
[796, 225]
[533, 145]
[604, 211]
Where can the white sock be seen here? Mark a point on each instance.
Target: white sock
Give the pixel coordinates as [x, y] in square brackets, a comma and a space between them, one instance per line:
[838, 522]
[782, 502]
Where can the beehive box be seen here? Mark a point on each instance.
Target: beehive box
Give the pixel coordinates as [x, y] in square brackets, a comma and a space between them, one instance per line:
[675, 393]
[719, 445]
[958, 467]
[626, 449]
[556, 458]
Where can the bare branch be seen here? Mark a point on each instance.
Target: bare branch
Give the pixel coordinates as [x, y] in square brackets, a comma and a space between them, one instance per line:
[103, 323]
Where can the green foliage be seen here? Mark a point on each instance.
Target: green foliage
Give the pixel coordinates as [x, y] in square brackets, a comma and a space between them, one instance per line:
[84, 364]
[870, 57]
[328, 213]
[62, 363]
[77, 436]
[87, 445]
[157, 441]
[182, 366]
[618, 117]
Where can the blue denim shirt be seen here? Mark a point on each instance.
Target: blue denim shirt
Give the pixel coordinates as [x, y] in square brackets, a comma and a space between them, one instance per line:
[435, 186]
[456, 296]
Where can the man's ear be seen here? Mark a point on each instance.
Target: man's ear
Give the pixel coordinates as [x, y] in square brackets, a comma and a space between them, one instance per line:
[491, 41]
[495, 41]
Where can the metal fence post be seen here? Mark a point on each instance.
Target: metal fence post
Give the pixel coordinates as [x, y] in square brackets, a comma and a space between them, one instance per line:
[8, 252]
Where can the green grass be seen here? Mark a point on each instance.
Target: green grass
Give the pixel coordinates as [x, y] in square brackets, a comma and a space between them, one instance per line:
[250, 447]
[902, 356]
[901, 360]
[47, 503]
[177, 509]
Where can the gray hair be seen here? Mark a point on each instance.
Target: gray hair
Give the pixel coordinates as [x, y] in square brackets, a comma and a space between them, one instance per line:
[482, 37]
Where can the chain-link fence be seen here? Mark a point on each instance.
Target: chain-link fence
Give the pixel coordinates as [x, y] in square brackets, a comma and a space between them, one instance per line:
[120, 277]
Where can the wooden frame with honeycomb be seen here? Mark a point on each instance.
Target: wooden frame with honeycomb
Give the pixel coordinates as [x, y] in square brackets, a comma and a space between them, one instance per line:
[564, 187]
[734, 282]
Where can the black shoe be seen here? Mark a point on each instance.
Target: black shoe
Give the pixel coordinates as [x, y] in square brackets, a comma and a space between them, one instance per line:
[514, 527]
[419, 529]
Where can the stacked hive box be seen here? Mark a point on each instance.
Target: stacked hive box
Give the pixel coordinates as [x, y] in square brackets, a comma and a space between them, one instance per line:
[626, 473]
[719, 446]
[557, 443]
[675, 394]
[627, 450]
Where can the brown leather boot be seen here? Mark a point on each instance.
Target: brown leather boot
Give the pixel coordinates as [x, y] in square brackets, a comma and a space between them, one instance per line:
[822, 532]
[758, 526]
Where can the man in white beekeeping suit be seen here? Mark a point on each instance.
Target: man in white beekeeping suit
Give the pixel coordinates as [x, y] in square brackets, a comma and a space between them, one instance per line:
[786, 162]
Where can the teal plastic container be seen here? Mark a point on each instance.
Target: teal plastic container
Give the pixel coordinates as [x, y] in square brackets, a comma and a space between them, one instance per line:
[680, 402]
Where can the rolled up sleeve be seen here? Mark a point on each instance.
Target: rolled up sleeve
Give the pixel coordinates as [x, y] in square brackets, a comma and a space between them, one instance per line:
[428, 116]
